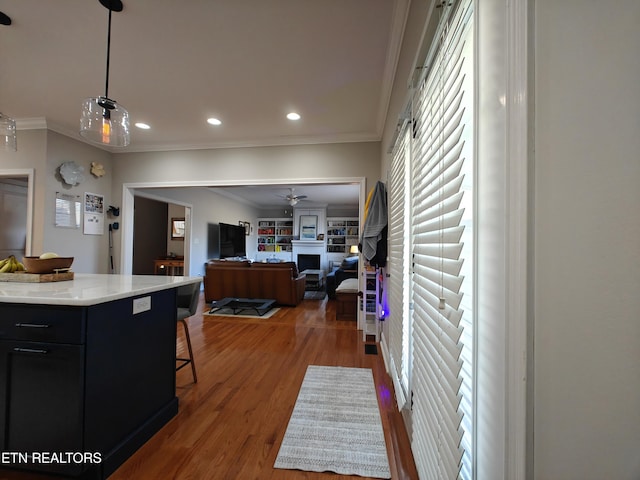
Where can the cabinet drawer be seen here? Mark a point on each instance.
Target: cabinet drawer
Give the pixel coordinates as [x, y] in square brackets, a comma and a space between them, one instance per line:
[42, 324]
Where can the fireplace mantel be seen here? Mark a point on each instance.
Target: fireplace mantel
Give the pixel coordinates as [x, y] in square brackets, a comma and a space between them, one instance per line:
[308, 243]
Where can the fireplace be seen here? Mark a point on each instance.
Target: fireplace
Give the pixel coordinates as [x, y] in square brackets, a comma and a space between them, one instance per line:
[306, 251]
[308, 262]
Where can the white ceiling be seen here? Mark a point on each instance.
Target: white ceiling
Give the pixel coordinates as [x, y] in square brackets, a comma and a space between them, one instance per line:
[318, 195]
[174, 64]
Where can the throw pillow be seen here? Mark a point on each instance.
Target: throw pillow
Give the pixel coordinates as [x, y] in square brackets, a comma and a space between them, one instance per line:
[349, 263]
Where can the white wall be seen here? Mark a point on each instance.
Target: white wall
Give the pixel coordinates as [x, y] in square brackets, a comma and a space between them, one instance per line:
[44, 151]
[587, 240]
[238, 166]
[243, 166]
[90, 252]
[413, 33]
[208, 207]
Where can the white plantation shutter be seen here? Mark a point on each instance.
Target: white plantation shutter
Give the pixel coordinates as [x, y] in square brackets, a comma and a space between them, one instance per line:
[442, 328]
[399, 321]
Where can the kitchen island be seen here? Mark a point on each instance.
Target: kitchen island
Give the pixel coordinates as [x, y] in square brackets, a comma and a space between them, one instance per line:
[87, 370]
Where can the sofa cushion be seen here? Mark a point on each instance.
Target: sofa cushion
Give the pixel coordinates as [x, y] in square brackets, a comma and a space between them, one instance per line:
[350, 285]
[230, 263]
[291, 265]
[350, 263]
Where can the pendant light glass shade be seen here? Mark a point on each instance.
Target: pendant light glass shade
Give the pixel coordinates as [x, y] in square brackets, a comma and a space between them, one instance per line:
[104, 121]
[8, 137]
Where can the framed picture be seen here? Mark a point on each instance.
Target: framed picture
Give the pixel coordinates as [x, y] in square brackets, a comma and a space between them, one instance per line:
[308, 227]
[177, 229]
[247, 227]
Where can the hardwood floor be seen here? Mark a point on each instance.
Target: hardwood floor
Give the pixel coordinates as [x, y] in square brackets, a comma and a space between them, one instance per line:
[231, 423]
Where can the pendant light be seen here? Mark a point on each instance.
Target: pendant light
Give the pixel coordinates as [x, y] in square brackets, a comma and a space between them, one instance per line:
[5, 19]
[8, 138]
[103, 120]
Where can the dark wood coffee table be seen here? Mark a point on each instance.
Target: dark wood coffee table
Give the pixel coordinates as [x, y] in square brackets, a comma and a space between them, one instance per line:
[238, 305]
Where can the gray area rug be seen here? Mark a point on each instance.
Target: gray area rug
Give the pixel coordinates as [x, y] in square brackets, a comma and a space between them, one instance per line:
[335, 425]
[315, 295]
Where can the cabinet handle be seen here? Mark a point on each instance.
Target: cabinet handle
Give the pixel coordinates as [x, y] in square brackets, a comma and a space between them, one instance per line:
[31, 325]
[30, 350]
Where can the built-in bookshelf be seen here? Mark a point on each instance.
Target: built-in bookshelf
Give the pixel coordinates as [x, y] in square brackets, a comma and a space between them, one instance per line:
[341, 234]
[275, 234]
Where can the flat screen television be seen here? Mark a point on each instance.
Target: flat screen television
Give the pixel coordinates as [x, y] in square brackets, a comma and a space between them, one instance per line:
[233, 241]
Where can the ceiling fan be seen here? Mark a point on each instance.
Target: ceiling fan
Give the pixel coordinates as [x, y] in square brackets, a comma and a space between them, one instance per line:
[292, 198]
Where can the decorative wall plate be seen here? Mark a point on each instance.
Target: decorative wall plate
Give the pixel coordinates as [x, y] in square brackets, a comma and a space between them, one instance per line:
[97, 169]
[72, 173]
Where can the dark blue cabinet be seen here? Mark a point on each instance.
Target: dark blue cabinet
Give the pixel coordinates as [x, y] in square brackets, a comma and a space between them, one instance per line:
[87, 380]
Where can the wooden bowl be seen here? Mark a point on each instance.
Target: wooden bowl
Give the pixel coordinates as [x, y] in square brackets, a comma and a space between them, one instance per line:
[46, 265]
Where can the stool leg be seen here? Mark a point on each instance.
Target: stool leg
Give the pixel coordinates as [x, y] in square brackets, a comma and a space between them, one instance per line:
[188, 338]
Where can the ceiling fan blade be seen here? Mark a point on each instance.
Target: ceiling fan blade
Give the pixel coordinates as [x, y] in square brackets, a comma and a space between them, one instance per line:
[291, 197]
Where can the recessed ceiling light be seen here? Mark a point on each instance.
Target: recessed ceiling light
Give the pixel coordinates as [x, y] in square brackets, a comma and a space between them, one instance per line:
[293, 116]
[143, 126]
[214, 121]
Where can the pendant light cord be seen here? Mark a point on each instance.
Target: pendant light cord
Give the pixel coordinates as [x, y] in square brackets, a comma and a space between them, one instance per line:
[106, 83]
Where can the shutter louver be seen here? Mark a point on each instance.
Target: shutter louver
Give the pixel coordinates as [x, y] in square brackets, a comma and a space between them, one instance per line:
[398, 268]
[441, 167]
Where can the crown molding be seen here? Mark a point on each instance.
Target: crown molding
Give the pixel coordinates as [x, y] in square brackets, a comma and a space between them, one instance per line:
[39, 123]
[266, 142]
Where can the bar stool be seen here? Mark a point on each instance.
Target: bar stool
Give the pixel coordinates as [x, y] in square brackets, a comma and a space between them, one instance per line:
[187, 303]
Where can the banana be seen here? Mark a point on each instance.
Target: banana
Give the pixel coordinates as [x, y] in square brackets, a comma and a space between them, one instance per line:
[10, 265]
[14, 264]
[6, 267]
[20, 267]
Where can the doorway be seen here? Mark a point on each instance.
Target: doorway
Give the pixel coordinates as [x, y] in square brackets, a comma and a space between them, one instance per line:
[152, 236]
[130, 191]
[149, 235]
[16, 212]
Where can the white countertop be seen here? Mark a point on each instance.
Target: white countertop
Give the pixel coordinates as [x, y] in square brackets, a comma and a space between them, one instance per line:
[88, 289]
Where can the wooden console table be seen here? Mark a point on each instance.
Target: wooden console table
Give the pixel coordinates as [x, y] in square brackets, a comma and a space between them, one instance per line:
[169, 266]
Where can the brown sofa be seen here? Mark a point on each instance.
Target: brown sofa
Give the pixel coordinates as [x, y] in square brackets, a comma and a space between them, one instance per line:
[278, 281]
